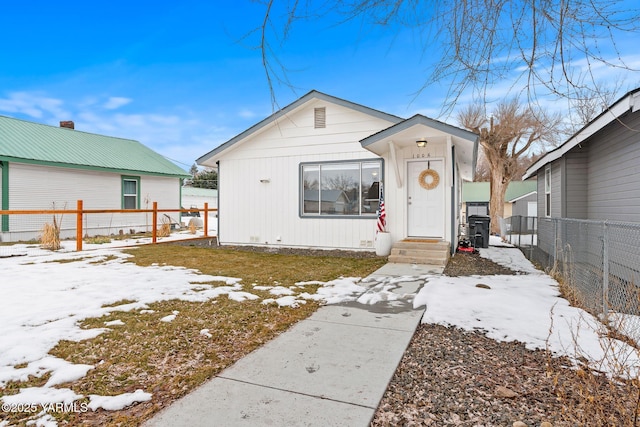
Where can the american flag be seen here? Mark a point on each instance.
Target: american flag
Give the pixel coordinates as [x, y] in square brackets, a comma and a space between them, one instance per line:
[382, 214]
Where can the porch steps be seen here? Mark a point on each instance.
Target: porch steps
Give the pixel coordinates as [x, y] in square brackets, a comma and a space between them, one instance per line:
[416, 251]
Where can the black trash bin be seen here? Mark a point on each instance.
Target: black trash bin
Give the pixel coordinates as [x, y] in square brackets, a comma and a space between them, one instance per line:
[479, 230]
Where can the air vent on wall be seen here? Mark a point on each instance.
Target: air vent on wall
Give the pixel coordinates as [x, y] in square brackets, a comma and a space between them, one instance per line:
[320, 117]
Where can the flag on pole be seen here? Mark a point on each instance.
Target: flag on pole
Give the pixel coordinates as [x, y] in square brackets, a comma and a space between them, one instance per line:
[382, 214]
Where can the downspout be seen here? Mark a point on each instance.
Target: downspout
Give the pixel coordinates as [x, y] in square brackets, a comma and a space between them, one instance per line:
[4, 203]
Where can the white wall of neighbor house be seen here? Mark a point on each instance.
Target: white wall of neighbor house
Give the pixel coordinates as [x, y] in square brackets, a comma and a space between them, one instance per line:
[36, 187]
[189, 201]
[259, 193]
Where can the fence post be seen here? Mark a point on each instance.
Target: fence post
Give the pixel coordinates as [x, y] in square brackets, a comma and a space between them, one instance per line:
[206, 219]
[520, 230]
[79, 226]
[154, 223]
[605, 269]
[534, 233]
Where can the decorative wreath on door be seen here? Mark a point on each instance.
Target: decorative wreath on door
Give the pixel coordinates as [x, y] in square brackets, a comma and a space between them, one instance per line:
[435, 179]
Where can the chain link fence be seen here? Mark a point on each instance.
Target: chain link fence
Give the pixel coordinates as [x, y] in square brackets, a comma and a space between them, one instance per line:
[599, 262]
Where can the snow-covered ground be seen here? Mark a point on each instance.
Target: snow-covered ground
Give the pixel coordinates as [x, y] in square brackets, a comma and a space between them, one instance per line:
[526, 307]
[43, 302]
[44, 299]
[9, 251]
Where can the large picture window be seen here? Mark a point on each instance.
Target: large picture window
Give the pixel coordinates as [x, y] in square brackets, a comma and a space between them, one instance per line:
[340, 188]
[130, 192]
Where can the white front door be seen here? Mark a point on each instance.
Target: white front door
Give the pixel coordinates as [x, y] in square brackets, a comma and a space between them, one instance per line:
[425, 199]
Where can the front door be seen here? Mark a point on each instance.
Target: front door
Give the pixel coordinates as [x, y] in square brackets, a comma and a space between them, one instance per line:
[425, 199]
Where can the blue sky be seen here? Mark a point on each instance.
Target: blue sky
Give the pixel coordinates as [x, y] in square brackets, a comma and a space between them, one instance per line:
[182, 78]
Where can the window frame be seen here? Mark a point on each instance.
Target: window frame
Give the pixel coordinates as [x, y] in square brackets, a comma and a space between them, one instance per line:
[319, 164]
[136, 179]
[547, 191]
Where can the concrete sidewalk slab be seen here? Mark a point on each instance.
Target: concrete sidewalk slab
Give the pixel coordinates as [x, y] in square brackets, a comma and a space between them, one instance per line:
[330, 369]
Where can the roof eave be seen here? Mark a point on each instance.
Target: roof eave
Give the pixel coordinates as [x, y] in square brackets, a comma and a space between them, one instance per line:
[211, 157]
[629, 102]
[92, 167]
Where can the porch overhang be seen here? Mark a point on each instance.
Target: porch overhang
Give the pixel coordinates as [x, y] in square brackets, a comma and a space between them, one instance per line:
[407, 132]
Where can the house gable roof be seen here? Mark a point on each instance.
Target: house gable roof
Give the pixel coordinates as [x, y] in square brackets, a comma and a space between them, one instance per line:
[629, 102]
[423, 120]
[27, 142]
[406, 132]
[314, 94]
[481, 191]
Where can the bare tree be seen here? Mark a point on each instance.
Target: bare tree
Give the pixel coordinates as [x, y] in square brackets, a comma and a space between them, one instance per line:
[533, 45]
[586, 105]
[483, 171]
[506, 137]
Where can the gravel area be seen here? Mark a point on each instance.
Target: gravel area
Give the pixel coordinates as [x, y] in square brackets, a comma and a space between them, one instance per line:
[451, 377]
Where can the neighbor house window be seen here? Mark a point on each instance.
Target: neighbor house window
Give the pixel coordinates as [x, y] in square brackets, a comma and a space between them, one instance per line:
[340, 189]
[547, 191]
[130, 192]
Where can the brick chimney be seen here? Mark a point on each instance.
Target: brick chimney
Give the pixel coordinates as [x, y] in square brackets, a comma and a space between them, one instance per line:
[67, 124]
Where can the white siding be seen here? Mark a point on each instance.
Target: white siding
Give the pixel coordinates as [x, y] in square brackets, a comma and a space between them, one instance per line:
[35, 187]
[268, 213]
[199, 201]
[396, 194]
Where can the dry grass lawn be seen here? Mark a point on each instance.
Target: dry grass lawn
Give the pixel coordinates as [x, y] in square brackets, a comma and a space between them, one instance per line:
[170, 359]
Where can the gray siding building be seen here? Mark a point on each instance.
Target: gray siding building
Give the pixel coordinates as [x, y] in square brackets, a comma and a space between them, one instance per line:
[595, 174]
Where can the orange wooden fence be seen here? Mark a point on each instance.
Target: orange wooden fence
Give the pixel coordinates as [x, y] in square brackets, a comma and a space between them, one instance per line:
[80, 212]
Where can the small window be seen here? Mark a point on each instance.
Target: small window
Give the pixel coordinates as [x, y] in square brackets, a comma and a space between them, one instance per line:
[320, 117]
[547, 191]
[130, 192]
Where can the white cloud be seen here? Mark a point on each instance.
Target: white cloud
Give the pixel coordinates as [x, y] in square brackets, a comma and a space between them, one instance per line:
[116, 102]
[246, 113]
[33, 105]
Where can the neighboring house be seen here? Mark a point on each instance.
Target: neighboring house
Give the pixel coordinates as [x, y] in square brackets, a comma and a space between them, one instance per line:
[595, 174]
[309, 176]
[194, 197]
[519, 199]
[45, 167]
[589, 208]
[328, 202]
[526, 204]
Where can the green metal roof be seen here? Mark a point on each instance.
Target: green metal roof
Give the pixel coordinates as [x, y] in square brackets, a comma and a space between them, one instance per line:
[481, 192]
[27, 142]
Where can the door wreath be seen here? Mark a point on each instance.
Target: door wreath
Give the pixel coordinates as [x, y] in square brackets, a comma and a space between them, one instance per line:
[435, 179]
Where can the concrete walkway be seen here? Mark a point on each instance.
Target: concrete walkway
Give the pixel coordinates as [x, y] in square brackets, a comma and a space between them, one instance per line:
[330, 369]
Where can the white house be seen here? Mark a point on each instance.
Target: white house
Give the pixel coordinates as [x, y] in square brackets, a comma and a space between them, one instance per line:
[193, 197]
[310, 176]
[44, 167]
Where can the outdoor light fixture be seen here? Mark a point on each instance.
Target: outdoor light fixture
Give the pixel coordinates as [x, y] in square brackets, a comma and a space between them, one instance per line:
[422, 142]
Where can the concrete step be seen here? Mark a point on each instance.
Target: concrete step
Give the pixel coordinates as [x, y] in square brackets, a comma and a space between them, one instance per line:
[428, 244]
[420, 252]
